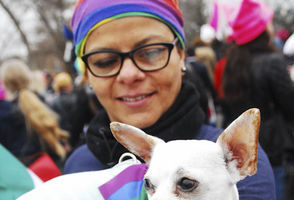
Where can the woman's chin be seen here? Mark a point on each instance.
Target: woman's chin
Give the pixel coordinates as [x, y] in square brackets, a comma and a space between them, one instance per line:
[139, 120]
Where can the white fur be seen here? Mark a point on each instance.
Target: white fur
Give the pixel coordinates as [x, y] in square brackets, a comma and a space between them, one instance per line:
[77, 186]
[199, 160]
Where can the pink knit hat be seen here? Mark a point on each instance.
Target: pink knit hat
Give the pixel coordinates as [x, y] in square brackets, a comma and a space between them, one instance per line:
[2, 92]
[251, 21]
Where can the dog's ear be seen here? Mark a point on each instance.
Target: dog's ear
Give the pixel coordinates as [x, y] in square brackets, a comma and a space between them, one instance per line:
[239, 142]
[135, 140]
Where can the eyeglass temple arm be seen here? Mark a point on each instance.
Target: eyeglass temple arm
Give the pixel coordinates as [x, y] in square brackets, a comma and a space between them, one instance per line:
[175, 41]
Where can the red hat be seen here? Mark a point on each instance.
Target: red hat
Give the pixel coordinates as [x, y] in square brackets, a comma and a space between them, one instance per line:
[251, 21]
[283, 34]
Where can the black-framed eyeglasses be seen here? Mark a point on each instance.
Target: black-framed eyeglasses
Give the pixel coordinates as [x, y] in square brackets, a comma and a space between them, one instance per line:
[147, 58]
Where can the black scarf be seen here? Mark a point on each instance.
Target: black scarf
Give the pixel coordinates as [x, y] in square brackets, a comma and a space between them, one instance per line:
[181, 121]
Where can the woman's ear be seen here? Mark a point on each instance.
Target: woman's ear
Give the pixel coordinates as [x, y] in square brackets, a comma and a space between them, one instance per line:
[86, 76]
[181, 54]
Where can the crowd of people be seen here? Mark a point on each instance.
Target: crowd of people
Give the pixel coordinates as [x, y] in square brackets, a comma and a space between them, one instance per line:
[255, 69]
[140, 71]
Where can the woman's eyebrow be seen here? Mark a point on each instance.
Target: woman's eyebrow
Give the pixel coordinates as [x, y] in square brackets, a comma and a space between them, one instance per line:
[146, 40]
[142, 42]
[101, 49]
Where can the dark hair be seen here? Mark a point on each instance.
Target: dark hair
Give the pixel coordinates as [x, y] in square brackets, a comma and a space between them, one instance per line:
[190, 51]
[237, 77]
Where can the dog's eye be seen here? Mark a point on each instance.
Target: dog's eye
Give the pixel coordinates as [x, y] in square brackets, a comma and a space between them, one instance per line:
[187, 185]
[148, 185]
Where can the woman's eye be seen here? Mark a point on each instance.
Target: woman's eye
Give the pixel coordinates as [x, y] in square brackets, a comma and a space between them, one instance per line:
[104, 60]
[105, 63]
[151, 53]
[187, 185]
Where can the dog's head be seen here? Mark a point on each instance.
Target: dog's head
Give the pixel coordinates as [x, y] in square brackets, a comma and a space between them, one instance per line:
[196, 169]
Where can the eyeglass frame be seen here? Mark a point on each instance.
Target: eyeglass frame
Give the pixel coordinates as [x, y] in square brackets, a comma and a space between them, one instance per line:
[129, 54]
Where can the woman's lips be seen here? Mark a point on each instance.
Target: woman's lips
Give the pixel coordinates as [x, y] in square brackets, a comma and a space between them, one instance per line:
[136, 100]
[132, 99]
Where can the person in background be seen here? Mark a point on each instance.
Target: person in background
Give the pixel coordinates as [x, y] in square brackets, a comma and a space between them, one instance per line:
[206, 55]
[30, 126]
[87, 107]
[288, 50]
[210, 51]
[256, 76]
[200, 69]
[65, 102]
[5, 119]
[203, 52]
[280, 38]
[38, 85]
[134, 54]
[199, 74]
[70, 101]
[49, 82]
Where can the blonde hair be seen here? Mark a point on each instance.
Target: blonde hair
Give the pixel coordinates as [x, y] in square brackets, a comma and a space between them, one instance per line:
[62, 81]
[207, 56]
[15, 75]
[39, 117]
[43, 120]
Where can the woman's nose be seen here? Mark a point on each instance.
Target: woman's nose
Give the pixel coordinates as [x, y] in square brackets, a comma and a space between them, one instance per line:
[129, 72]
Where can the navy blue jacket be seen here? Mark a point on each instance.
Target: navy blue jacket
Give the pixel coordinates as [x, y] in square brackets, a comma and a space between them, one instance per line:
[13, 131]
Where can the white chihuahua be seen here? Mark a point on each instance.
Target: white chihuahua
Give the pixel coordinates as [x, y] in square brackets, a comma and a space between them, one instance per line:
[190, 169]
[196, 169]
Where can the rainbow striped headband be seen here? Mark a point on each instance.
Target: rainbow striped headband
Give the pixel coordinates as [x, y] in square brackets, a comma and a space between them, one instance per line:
[90, 14]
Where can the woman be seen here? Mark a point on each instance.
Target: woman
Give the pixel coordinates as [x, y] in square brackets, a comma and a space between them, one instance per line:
[146, 87]
[28, 126]
[256, 76]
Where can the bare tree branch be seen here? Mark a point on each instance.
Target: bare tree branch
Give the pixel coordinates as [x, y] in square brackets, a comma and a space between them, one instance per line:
[42, 15]
[18, 27]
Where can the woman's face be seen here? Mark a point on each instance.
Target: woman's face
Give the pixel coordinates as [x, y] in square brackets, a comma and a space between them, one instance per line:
[135, 97]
